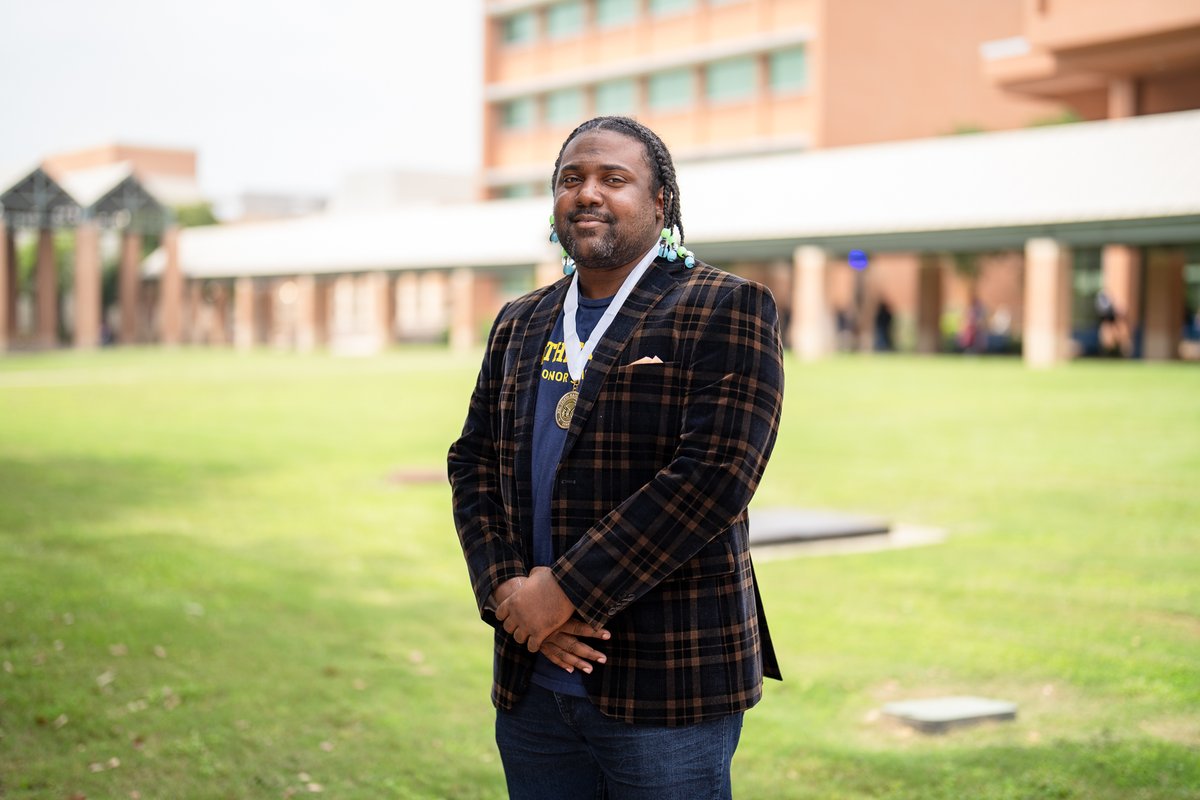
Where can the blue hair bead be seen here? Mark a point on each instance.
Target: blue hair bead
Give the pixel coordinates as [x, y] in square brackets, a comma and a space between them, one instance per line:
[554, 237]
[671, 255]
[689, 262]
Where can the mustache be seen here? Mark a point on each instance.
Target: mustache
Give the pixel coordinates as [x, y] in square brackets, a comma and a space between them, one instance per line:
[575, 216]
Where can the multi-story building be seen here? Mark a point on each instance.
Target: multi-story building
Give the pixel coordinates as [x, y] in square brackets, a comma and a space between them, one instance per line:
[724, 78]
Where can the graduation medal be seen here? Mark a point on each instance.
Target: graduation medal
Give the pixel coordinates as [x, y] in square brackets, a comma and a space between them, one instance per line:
[566, 407]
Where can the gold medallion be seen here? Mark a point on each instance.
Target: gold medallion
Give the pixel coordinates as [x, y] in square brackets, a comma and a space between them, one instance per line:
[565, 409]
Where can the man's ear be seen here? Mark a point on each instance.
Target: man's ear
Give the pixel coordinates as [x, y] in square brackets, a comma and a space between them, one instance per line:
[658, 205]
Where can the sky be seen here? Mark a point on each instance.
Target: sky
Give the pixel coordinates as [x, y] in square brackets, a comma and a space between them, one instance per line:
[273, 95]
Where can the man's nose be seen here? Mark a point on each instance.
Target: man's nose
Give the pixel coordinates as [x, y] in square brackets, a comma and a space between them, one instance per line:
[589, 193]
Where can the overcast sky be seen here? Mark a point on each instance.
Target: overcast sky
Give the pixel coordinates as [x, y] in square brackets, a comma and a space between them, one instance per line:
[272, 94]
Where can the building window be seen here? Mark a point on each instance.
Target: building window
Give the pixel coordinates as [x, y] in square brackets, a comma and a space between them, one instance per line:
[671, 89]
[564, 19]
[616, 97]
[564, 107]
[732, 79]
[789, 70]
[520, 28]
[519, 114]
[661, 7]
[611, 13]
[516, 190]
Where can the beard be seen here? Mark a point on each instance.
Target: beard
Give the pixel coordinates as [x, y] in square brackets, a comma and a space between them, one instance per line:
[613, 246]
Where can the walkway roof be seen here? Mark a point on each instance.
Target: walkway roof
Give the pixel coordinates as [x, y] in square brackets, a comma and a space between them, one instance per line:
[1135, 181]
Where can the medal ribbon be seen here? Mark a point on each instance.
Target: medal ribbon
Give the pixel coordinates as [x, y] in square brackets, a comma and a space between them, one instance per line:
[577, 357]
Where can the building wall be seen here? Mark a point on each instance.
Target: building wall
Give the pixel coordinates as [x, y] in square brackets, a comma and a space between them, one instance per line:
[892, 71]
[765, 37]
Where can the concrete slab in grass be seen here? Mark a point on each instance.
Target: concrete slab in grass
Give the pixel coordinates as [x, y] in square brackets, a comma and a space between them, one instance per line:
[940, 714]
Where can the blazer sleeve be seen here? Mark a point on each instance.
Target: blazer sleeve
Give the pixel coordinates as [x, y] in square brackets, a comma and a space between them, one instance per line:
[474, 470]
[732, 405]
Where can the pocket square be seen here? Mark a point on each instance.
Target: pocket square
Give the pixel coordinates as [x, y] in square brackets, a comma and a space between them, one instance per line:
[646, 360]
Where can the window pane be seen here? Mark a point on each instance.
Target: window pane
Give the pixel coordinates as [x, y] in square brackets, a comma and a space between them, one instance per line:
[520, 27]
[789, 69]
[519, 113]
[730, 80]
[658, 7]
[672, 89]
[616, 97]
[564, 106]
[514, 190]
[564, 19]
[610, 13]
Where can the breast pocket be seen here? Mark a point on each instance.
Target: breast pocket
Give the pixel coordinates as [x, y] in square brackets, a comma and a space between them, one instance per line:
[643, 408]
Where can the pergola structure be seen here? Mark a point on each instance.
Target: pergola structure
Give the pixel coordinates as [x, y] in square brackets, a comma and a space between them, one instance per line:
[90, 202]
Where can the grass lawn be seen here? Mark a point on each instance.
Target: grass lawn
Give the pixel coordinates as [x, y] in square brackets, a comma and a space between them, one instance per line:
[210, 586]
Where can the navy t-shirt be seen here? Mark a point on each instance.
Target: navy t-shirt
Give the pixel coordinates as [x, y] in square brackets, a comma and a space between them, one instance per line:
[548, 441]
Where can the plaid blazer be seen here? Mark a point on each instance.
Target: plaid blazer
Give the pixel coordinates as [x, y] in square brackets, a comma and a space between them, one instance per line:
[649, 511]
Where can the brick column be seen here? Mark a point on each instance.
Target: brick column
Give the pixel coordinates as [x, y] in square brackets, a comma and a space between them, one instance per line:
[811, 331]
[217, 330]
[306, 306]
[1122, 279]
[243, 313]
[1047, 331]
[1162, 327]
[171, 288]
[194, 312]
[384, 301]
[8, 285]
[1122, 98]
[14, 288]
[88, 308]
[47, 291]
[408, 303]
[462, 309]
[929, 304]
[128, 283]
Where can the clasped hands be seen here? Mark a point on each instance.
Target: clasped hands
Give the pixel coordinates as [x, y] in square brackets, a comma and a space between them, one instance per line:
[538, 614]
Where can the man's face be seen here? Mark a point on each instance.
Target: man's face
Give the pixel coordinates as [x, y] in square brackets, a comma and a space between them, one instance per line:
[606, 212]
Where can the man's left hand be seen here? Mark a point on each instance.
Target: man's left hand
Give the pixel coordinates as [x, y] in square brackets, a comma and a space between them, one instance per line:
[535, 611]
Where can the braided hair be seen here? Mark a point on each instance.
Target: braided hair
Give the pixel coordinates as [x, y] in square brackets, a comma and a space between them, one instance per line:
[658, 157]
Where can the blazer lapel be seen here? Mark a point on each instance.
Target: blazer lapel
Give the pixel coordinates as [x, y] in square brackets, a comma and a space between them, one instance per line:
[650, 289]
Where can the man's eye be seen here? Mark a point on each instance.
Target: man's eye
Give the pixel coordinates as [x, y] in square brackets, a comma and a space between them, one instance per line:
[570, 179]
[615, 179]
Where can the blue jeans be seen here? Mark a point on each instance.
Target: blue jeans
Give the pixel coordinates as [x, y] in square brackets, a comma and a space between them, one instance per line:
[555, 745]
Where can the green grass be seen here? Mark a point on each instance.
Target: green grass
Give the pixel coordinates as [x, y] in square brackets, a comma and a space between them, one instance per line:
[207, 575]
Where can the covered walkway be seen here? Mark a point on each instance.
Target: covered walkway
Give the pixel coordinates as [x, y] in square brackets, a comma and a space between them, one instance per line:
[1130, 187]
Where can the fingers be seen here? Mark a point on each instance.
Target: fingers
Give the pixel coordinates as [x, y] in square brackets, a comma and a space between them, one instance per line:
[570, 653]
[577, 627]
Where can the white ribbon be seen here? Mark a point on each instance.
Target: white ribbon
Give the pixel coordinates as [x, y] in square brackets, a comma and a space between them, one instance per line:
[577, 357]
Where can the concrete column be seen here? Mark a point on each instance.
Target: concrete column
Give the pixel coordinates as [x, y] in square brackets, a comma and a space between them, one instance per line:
[462, 308]
[306, 306]
[243, 313]
[1047, 334]
[87, 285]
[8, 286]
[171, 287]
[929, 304]
[127, 286]
[1162, 328]
[1122, 98]
[47, 291]
[811, 331]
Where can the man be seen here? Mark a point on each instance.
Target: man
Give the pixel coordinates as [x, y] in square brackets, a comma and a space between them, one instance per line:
[620, 424]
